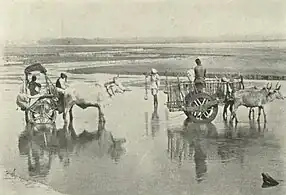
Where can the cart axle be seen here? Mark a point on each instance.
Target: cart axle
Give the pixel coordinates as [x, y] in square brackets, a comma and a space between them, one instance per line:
[201, 108]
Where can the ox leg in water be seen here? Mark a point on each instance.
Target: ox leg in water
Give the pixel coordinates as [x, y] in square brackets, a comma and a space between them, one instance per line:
[249, 113]
[259, 114]
[264, 114]
[101, 119]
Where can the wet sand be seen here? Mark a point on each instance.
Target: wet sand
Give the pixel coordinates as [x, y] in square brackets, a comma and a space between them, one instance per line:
[245, 57]
[16, 185]
[162, 155]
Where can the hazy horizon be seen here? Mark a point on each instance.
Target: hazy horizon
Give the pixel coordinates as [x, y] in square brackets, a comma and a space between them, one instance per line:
[142, 40]
[31, 20]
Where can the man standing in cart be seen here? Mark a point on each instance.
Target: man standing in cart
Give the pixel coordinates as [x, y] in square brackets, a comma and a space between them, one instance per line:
[200, 76]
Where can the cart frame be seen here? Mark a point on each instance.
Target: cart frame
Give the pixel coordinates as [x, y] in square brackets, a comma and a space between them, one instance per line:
[44, 109]
[200, 107]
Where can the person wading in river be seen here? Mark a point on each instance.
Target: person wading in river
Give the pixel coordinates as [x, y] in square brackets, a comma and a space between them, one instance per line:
[200, 76]
[155, 84]
[62, 84]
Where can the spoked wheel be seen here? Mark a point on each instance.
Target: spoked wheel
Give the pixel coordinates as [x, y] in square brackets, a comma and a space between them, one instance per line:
[43, 111]
[202, 108]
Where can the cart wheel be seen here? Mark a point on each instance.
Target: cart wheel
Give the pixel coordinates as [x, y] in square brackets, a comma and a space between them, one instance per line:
[42, 112]
[195, 100]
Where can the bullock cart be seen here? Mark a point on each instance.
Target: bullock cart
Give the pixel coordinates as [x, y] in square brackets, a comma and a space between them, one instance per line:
[200, 107]
[40, 108]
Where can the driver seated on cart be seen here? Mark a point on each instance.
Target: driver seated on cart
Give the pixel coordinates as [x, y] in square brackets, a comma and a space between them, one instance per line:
[62, 81]
[33, 85]
[200, 76]
[62, 84]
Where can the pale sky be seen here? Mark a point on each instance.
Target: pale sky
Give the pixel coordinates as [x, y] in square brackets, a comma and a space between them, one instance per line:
[35, 19]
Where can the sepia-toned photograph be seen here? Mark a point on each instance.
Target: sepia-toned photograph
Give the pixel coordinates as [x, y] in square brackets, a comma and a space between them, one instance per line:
[143, 97]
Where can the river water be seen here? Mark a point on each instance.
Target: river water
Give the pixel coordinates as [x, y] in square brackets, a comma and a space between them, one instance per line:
[163, 153]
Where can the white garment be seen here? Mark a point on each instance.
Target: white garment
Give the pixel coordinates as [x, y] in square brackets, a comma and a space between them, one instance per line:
[155, 81]
[154, 71]
[60, 90]
[63, 83]
[191, 74]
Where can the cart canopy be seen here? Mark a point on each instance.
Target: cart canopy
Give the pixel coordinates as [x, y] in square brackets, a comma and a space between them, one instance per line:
[35, 67]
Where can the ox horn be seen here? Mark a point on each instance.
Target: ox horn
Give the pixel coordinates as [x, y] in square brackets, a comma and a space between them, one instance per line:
[278, 85]
[269, 86]
[116, 77]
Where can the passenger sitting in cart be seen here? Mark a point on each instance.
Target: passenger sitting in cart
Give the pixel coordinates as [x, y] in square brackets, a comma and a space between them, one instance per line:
[33, 85]
[200, 76]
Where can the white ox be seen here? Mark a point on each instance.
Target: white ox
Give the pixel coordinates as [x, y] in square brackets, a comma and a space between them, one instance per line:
[86, 95]
[255, 98]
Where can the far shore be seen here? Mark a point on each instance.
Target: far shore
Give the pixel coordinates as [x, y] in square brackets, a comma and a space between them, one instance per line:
[168, 70]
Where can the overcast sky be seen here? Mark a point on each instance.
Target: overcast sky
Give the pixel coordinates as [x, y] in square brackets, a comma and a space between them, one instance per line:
[35, 19]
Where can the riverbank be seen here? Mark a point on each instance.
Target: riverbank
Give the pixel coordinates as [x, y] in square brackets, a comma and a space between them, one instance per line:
[170, 70]
[13, 184]
[258, 61]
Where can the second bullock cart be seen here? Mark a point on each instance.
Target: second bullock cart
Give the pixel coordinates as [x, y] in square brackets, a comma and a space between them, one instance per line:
[200, 107]
[40, 108]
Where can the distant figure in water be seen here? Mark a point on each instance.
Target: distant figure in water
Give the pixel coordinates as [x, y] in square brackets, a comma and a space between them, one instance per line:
[62, 84]
[200, 76]
[155, 84]
[33, 85]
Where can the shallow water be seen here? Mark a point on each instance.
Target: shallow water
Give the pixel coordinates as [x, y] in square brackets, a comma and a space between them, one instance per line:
[163, 152]
[246, 57]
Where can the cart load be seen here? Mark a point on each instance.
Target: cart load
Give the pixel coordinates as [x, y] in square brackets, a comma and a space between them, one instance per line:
[199, 107]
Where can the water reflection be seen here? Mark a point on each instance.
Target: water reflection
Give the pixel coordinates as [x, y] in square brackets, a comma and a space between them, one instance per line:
[146, 124]
[200, 161]
[155, 122]
[203, 144]
[33, 145]
[256, 129]
[42, 146]
[188, 143]
[253, 130]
